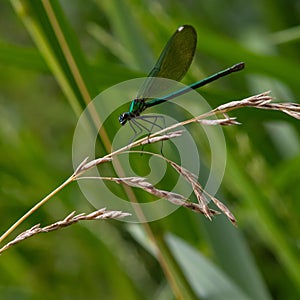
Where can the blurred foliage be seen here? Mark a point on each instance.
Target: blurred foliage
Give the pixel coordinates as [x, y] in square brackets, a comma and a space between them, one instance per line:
[41, 97]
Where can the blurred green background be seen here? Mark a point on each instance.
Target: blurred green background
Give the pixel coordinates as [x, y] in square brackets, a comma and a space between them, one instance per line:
[43, 89]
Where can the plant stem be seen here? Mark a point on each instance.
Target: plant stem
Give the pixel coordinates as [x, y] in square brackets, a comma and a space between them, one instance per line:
[34, 208]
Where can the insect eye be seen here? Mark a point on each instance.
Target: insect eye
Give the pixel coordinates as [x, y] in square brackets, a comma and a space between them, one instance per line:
[123, 118]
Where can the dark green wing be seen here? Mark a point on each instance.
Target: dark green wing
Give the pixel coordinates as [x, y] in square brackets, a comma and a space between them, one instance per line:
[173, 62]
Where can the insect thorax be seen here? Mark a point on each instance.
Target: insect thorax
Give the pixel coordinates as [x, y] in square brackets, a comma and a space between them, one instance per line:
[137, 106]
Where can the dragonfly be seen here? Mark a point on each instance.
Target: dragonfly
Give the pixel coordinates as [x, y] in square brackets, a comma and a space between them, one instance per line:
[173, 63]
